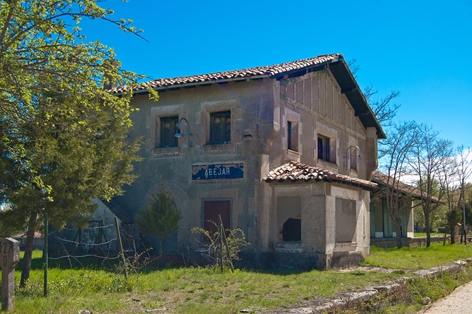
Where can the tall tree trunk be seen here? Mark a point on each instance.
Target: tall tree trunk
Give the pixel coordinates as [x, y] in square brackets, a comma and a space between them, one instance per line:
[398, 230]
[452, 232]
[428, 228]
[162, 252]
[25, 272]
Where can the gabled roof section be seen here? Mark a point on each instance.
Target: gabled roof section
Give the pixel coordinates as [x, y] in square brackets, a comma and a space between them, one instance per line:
[351, 89]
[272, 71]
[335, 62]
[383, 180]
[296, 171]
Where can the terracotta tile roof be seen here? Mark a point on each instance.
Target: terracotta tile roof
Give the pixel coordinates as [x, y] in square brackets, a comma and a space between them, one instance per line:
[335, 62]
[382, 180]
[295, 171]
[257, 72]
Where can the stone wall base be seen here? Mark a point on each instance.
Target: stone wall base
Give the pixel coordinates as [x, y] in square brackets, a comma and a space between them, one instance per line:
[298, 260]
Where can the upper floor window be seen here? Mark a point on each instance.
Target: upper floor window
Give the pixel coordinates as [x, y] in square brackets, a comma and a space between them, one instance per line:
[220, 127]
[353, 157]
[168, 129]
[292, 135]
[324, 151]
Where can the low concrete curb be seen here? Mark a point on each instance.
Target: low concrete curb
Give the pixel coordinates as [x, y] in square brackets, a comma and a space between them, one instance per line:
[348, 299]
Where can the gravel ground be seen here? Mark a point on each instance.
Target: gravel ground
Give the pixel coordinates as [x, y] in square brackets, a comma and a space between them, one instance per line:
[459, 302]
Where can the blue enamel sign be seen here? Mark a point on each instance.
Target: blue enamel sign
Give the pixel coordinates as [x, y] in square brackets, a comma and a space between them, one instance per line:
[218, 171]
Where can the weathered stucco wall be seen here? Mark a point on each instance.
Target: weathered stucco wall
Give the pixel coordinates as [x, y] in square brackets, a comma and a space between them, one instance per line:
[334, 221]
[252, 126]
[261, 113]
[322, 109]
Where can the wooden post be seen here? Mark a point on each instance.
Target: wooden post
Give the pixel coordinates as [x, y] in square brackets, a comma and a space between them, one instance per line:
[226, 245]
[9, 258]
[121, 247]
[46, 254]
[221, 244]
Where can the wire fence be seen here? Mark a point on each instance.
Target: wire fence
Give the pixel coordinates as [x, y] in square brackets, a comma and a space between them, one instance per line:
[96, 244]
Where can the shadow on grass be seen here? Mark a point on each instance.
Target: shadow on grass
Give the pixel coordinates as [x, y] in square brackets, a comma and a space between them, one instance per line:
[113, 266]
[101, 263]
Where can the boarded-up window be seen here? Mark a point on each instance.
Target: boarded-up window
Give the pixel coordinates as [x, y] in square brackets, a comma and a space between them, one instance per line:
[346, 220]
[211, 211]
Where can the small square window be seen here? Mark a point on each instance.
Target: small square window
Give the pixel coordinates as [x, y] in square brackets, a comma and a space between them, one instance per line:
[324, 151]
[220, 127]
[168, 129]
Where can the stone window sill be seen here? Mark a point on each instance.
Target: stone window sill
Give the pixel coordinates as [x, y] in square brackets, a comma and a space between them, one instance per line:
[218, 148]
[166, 152]
[345, 246]
[288, 247]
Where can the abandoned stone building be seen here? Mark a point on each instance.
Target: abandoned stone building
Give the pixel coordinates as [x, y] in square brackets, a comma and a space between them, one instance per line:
[285, 152]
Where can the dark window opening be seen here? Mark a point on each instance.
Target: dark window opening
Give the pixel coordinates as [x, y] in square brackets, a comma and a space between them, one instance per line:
[211, 212]
[220, 127]
[292, 135]
[292, 230]
[323, 148]
[168, 130]
[353, 158]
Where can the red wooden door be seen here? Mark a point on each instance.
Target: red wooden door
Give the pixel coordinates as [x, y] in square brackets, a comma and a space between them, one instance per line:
[211, 211]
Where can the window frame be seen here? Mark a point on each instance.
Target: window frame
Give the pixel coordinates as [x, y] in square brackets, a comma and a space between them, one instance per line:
[353, 159]
[293, 130]
[289, 207]
[324, 153]
[222, 135]
[292, 135]
[329, 160]
[163, 137]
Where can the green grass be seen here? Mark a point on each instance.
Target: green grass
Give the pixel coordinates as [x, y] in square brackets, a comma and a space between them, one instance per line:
[408, 300]
[433, 234]
[200, 290]
[417, 258]
[185, 290]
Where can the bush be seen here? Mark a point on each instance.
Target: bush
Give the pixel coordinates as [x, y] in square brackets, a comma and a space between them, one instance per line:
[221, 248]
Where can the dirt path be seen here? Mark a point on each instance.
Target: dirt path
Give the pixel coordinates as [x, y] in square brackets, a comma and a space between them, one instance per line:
[459, 302]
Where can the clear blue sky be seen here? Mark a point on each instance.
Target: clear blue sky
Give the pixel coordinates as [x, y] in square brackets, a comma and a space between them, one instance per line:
[422, 48]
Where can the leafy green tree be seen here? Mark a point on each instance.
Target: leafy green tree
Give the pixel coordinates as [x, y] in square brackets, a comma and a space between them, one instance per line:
[64, 134]
[7, 228]
[161, 218]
